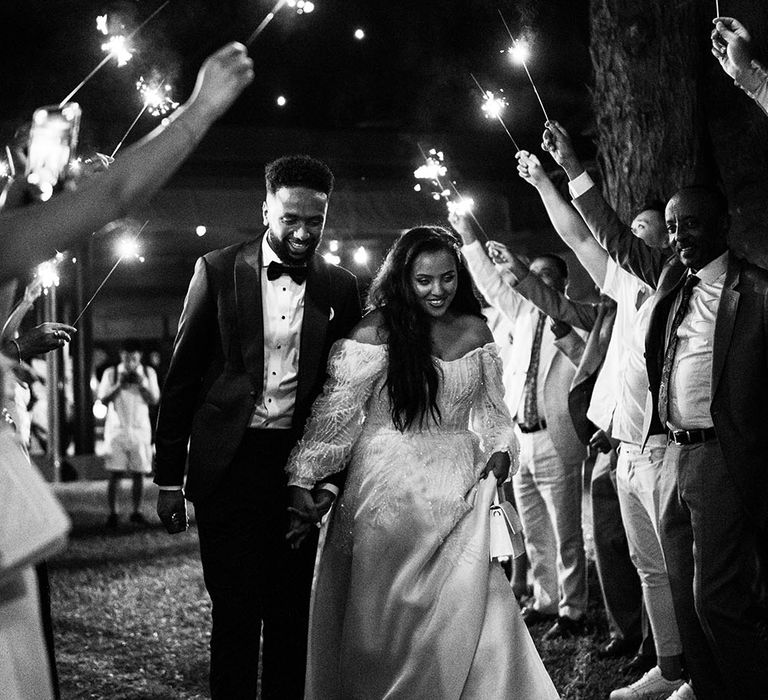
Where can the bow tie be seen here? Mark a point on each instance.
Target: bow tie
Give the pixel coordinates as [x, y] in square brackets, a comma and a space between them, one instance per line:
[296, 273]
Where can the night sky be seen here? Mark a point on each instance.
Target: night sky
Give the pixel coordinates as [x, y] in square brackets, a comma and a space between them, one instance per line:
[411, 72]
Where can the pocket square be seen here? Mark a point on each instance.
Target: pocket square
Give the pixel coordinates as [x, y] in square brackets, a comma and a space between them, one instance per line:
[331, 315]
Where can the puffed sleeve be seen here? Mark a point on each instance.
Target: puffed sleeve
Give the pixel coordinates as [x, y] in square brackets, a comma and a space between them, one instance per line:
[338, 414]
[490, 418]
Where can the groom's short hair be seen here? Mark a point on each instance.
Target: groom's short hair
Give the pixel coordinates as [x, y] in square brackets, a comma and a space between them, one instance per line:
[298, 171]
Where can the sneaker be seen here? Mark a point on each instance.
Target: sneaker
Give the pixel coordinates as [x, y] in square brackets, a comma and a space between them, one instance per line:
[652, 686]
[138, 518]
[684, 692]
[112, 521]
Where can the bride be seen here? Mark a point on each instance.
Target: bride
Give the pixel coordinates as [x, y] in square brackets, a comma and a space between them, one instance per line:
[406, 603]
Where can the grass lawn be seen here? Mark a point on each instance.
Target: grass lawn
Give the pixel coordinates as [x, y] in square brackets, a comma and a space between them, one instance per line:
[131, 613]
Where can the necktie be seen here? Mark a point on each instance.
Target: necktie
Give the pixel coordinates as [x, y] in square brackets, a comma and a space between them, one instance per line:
[297, 273]
[669, 354]
[530, 409]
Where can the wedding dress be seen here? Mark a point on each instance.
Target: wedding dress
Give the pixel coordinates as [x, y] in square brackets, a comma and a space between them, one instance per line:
[405, 602]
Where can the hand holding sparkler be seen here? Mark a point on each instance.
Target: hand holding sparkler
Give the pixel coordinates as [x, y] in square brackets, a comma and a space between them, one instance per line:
[460, 221]
[530, 169]
[507, 263]
[731, 47]
[557, 143]
[223, 76]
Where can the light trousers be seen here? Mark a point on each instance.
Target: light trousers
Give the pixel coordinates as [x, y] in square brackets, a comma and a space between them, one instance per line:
[638, 473]
[548, 495]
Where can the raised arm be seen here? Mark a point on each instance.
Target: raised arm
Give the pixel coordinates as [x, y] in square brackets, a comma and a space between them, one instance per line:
[605, 225]
[489, 281]
[549, 300]
[731, 46]
[566, 220]
[32, 234]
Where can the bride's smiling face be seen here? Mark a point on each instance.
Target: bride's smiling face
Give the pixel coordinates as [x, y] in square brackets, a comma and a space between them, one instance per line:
[434, 279]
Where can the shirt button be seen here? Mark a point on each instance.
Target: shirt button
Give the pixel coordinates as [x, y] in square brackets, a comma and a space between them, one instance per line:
[284, 289]
[269, 400]
[274, 373]
[279, 346]
[283, 317]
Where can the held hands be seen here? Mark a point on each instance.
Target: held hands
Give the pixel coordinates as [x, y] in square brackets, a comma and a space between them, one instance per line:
[730, 46]
[529, 168]
[221, 79]
[172, 510]
[305, 514]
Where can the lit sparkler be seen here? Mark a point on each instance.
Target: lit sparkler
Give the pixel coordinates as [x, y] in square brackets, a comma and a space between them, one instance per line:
[435, 172]
[101, 24]
[128, 248]
[117, 46]
[493, 107]
[519, 53]
[717, 8]
[156, 96]
[302, 7]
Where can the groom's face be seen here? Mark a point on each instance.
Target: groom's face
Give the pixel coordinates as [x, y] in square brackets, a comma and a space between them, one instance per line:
[296, 218]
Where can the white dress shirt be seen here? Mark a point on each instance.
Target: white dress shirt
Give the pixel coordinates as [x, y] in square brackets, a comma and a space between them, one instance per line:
[690, 384]
[282, 303]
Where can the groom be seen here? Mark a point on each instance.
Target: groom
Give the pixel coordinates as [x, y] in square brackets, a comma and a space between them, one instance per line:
[249, 359]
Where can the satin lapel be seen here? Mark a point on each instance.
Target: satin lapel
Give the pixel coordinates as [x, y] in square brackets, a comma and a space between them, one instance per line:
[317, 307]
[726, 317]
[249, 313]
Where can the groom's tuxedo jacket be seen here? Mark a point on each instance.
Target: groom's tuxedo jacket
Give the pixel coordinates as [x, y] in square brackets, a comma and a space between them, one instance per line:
[216, 372]
[739, 405]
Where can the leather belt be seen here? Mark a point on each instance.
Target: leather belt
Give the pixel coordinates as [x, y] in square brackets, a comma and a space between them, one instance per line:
[541, 425]
[691, 437]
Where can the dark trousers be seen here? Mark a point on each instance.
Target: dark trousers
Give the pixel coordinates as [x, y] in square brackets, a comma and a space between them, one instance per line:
[619, 581]
[256, 582]
[711, 549]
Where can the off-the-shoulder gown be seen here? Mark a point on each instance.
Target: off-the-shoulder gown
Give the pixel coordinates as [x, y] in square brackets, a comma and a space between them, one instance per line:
[406, 603]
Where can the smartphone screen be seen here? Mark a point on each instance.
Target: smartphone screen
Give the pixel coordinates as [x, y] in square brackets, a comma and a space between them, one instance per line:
[52, 143]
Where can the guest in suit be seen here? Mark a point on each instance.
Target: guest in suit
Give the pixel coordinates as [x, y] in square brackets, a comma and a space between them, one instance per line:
[706, 355]
[548, 485]
[248, 361]
[637, 467]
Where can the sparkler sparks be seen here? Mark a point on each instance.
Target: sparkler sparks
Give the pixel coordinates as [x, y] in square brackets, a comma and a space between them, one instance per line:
[117, 46]
[519, 52]
[493, 106]
[101, 24]
[156, 96]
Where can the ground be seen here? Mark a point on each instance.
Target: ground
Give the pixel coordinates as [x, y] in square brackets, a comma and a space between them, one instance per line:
[131, 614]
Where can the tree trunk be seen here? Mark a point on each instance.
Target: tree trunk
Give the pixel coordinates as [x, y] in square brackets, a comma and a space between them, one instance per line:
[668, 116]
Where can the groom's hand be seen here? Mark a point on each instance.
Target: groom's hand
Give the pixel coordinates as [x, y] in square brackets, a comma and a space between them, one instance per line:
[172, 510]
[324, 499]
[304, 515]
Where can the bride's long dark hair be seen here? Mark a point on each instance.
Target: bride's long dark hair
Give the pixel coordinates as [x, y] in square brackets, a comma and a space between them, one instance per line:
[413, 374]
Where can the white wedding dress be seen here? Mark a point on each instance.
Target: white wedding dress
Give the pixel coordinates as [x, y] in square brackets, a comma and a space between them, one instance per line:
[406, 603]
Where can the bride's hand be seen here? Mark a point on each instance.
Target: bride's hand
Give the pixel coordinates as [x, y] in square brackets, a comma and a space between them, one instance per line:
[304, 515]
[498, 463]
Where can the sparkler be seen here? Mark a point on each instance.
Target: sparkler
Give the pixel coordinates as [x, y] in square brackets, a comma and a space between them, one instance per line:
[493, 107]
[128, 251]
[101, 23]
[435, 170]
[717, 8]
[302, 7]
[156, 96]
[520, 53]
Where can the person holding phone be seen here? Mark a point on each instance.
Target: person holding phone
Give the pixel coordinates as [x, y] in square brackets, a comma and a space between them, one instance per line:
[130, 389]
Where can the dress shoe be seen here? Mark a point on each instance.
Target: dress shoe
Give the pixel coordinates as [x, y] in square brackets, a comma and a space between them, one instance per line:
[652, 686]
[564, 628]
[531, 616]
[112, 521]
[616, 647]
[639, 664]
[138, 519]
[684, 692]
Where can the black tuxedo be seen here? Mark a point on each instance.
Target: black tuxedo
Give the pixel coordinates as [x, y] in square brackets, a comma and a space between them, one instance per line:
[714, 495]
[234, 474]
